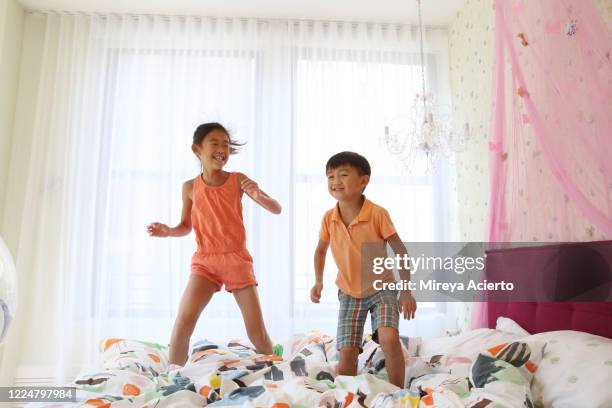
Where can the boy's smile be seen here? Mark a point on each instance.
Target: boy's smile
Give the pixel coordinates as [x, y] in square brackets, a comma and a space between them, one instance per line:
[346, 183]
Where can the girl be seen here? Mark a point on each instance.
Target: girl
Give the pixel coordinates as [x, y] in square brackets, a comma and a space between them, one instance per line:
[212, 207]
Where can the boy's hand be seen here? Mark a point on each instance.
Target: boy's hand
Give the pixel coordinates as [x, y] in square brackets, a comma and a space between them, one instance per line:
[251, 188]
[315, 292]
[157, 229]
[407, 305]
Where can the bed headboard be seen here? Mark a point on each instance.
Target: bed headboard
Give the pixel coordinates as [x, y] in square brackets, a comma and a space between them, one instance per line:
[536, 317]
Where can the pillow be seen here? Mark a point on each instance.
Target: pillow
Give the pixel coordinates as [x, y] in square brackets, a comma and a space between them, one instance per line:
[467, 344]
[508, 325]
[454, 355]
[575, 370]
[524, 356]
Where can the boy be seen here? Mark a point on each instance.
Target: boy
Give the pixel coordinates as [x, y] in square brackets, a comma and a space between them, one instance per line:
[354, 221]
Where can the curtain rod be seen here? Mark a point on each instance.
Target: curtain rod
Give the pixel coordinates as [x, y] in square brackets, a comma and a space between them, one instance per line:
[229, 19]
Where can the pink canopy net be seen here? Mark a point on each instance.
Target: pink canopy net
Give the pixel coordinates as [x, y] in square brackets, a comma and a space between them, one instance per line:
[551, 139]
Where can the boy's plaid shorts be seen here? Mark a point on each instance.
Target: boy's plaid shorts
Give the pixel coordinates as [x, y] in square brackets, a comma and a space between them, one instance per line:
[384, 312]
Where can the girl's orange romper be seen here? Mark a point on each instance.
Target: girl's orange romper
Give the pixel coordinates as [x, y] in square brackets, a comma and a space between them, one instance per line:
[216, 217]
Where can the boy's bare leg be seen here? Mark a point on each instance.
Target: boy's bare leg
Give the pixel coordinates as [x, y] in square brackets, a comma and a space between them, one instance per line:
[348, 361]
[197, 294]
[248, 301]
[388, 338]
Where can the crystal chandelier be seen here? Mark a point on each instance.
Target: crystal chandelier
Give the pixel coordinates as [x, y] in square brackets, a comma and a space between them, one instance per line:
[426, 134]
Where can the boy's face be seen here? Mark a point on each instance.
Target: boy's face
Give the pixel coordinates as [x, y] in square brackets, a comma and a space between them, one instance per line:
[346, 183]
[214, 151]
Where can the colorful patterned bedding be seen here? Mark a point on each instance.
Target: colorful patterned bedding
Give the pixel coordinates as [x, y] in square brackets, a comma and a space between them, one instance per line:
[133, 374]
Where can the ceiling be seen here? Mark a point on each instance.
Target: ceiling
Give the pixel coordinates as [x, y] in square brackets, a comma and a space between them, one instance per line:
[435, 12]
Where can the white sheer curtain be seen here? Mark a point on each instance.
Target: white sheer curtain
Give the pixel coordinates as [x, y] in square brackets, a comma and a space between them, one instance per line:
[118, 101]
[350, 81]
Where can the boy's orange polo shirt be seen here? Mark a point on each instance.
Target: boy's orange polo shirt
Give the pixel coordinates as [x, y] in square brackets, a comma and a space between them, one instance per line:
[372, 225]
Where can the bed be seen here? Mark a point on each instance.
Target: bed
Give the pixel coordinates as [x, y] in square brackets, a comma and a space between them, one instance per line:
[531, 354]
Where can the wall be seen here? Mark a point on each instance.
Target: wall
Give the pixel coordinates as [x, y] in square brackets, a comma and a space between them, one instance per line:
[33, 37]
[471, 36]
[29, 73]
[605, 7]
[471, 62]
[11, 34]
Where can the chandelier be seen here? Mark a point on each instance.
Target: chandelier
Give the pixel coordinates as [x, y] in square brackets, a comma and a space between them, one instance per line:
[425, 135]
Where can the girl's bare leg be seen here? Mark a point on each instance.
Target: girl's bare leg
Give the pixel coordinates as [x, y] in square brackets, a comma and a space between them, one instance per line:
[248, 301]
[197, 294]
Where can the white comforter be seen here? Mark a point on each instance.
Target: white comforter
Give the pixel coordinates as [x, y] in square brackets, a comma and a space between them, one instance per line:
[233, 375]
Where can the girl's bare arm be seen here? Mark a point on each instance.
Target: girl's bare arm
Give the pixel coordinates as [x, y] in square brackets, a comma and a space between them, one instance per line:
[183, 228]
[252, 190]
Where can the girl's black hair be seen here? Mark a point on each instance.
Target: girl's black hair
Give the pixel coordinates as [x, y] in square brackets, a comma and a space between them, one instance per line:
[205, 128]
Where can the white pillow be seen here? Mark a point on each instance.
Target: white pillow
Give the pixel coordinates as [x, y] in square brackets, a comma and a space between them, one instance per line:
[454, 355]
[508, 325]
[468, 344]
[575, 371]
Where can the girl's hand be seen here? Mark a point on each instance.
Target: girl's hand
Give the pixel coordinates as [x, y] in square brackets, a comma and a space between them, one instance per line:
[407, 305]
[251, 188]
[157, 229]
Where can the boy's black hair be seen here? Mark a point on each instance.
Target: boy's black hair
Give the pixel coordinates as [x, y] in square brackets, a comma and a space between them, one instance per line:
[349, 158]
[205, 128]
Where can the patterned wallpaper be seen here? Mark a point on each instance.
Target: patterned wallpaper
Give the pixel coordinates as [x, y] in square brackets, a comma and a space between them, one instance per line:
[471, 61]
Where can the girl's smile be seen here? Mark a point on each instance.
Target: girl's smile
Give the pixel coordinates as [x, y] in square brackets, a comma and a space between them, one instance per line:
[220, 157]
[214, 150]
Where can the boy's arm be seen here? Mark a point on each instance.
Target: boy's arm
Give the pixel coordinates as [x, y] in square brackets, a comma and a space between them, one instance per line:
[252, 190]
[407, 304]
[319, 265]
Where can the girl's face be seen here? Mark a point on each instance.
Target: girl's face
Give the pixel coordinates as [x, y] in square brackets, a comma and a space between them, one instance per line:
[214, 150]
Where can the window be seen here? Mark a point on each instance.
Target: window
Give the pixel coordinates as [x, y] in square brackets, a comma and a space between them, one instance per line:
[154, 101]
[344, 105]
[149, 155]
